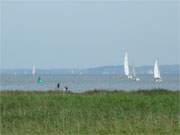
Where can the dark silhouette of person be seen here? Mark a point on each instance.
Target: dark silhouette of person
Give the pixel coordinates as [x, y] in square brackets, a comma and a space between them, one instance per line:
[39, 78]
[58, 85]
[66, 88]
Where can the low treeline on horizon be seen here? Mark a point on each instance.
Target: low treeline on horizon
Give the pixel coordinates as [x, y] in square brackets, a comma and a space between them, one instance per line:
[101, 70]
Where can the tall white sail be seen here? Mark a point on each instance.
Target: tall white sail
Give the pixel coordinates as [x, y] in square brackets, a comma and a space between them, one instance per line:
[126, 64]
[156, 70]
[33, 70]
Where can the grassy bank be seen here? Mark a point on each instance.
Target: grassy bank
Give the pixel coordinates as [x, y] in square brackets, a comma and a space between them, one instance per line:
[102, 113]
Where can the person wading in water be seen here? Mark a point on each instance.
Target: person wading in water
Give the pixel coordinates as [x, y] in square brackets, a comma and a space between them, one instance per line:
[66, 88]
[58, 85]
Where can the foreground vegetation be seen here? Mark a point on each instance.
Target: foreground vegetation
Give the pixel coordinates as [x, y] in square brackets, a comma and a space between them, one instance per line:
[95, 113]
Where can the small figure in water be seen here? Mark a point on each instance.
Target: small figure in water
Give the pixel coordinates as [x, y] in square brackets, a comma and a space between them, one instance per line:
[66, 88]
[39, 78]
[58, 85]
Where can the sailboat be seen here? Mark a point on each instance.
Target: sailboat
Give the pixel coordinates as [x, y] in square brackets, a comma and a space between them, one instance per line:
[134, 74]
[126, 66]
[33, 71]
[157, 76]
[39, 80]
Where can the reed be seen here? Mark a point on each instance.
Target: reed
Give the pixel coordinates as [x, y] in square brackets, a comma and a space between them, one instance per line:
[93, 112]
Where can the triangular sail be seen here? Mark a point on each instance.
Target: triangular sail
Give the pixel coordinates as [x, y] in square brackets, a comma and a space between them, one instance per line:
[126, 64]
[156, 70]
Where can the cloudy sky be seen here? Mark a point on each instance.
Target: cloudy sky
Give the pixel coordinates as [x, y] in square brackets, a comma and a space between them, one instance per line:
[77, 34]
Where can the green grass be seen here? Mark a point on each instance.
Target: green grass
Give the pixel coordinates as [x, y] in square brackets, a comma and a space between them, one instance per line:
[95, 113]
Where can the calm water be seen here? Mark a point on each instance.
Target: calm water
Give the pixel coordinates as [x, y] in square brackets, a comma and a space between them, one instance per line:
[79, 83]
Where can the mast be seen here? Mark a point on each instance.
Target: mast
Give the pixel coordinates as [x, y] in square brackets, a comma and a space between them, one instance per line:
[133, 71]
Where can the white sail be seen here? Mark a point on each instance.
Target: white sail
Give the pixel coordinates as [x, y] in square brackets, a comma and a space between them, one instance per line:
[33, 70]
[126, 64]
[156, 70]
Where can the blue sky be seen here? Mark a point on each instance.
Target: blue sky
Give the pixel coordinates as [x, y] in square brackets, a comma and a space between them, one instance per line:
[88, 34]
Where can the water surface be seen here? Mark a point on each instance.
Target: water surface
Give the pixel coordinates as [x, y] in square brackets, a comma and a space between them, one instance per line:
[78, 83]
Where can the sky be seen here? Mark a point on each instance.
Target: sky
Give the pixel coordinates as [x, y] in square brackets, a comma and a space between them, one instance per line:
[83, 34]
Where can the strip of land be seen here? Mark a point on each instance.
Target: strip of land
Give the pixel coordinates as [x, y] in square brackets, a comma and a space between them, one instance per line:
[90, 113]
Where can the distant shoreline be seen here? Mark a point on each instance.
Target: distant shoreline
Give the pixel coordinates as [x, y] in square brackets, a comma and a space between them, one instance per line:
[101, 70]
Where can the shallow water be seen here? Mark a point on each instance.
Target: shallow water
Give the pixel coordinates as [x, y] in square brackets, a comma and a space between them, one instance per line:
[78, 83]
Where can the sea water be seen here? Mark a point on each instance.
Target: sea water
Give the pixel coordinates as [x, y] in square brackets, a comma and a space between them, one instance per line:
[80, 83]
